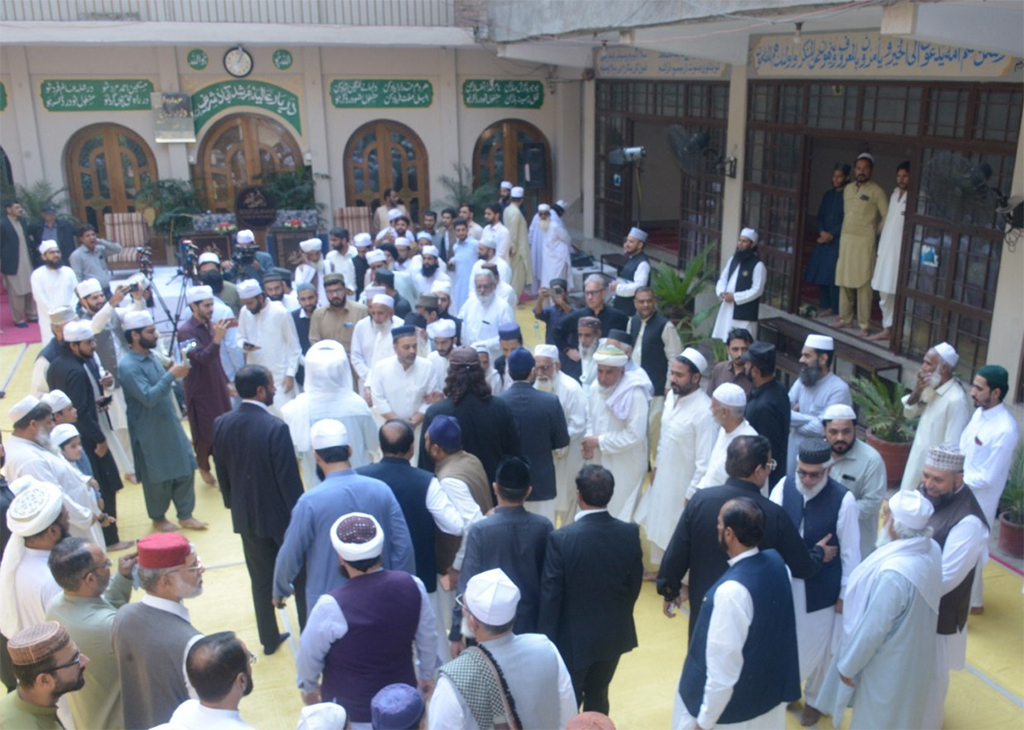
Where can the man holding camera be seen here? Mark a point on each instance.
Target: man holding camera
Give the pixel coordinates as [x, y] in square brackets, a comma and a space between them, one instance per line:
[247, 261]
[557, 292]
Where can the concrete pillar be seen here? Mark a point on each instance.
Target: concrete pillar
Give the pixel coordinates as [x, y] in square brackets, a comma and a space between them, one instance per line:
[568, 148]
[22, 104]
[588, 154]
[315, 125]
[735, 145]
[169, 82]
[450, 107]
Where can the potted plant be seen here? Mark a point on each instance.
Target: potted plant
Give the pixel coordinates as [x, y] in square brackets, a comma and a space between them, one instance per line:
[888, 430]
[676, 295]
[1011, 508]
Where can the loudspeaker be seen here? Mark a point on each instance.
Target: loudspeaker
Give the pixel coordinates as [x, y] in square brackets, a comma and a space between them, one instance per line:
[535, 168]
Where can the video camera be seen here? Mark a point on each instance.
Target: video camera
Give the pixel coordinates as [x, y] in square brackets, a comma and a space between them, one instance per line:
[188, 258]
[244, 254]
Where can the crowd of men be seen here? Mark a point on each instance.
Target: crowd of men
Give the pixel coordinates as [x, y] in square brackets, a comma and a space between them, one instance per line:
[396, 460]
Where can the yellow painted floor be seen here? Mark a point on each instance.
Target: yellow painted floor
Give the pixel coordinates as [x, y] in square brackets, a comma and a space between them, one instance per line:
[989, 695]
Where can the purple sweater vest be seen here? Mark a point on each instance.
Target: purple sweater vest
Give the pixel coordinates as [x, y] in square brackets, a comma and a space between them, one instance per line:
[382, 610]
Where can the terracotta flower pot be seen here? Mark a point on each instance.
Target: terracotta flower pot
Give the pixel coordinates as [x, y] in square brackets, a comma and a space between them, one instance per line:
[1011, 537]
[894, 455]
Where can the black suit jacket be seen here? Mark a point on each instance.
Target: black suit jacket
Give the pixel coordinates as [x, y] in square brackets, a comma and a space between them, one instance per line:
[10, 251]
[541, 423]
[694, 544]
[65, 237]
[67, 373]
[488, 430]
[593, 570]
[302, 328]
[257, 471]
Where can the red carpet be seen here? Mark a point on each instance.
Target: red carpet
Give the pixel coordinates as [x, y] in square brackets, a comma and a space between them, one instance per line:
[11, 335]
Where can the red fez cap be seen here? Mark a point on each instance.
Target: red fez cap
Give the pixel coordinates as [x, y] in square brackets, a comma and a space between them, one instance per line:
[163, 550]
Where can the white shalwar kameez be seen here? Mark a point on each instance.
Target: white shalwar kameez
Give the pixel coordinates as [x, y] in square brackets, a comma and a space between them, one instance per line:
[481, 320]
[344, 264]
[402, 391]
[687, 437]
[716, 475]
[371, 343]
[51, 289]
[887, 261]
[724, 322]
[622, 444]
[272, 330]
[551, 250]
[817, 631]
[306, 273]
[500, 235]
[944, 413]
[805, 424]
[569, 460]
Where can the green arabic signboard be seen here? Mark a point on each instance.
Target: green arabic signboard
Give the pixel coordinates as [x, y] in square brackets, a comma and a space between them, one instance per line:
[212, 99]
[104, 95]
[492, 94]
[381, 93]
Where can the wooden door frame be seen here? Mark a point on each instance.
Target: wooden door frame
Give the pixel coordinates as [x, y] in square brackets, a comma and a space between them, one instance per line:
[371, 199]
[119, 202]
[511, 143]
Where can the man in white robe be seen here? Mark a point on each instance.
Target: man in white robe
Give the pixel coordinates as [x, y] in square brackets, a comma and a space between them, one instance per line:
[371, 338]
[616, 435]
[486, 252]
[432, 269]
[687, 436]
[815, 628]
[403, 385]
[550, 246]
[267, 336]
[941, 404]
[53, 285]
[484, 313]
[743, 267]
[728, 403]
[328, 393]
[442, 337]
[312, 269]
[568, 461]
[518, 242]
[341, 258]
[497, 229]
[816, 389]
[885, 280]
[887, 644]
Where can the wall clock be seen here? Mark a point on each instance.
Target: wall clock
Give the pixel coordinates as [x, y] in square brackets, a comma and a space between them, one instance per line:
[238, 62]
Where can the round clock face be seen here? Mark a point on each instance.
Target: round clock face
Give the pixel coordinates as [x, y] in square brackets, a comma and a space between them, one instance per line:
[238, 62]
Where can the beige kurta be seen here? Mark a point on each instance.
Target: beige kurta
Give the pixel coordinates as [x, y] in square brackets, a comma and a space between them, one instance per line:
[864, 209]
[518, 248]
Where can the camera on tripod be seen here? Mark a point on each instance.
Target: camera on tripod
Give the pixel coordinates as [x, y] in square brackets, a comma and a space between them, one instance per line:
[144, 257]
[188, 258]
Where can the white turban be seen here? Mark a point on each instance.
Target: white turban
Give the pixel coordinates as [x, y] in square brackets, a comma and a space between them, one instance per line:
[310, 245]
[376, 257]
[198, 294]
[47, 246]
[402, 242]
[394, 214]
[209, 257]
[548, 351]
[430, 251]
[543, 208]
[441, 328]
[136, 319]
[35, 508]
[910, 508]
[441, 286]
[78, 331]
[352, 551]
[23, 407]
[387, 301]
[611, 356]
[488, 240]
[749, 233]
[245, 236]
[87, 288]
[424, 235]
[730, 394]
[362, 240]
[322, 716]
[947, 353]
[57, 400]
[249, 289]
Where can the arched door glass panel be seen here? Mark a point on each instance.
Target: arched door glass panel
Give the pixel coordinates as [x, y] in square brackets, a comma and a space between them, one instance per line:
[504, 142]
[384, 154]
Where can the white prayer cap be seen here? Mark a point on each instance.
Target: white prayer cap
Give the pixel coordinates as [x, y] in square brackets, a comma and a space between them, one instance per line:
[209, 257]
[362, 240]
[441, 328]
[695, 357]
[136, 319]
[749, 233]
[249, 289]
[612, 356]
[820, 342]
[394, 214]
[481, 346]
[430, 251]
[322, 716]
[947, 457]
[505, 185]
[376, 257]
[402, 242]
[23, 407]
[839, 412]
[492, 597]
[910, 508]
[441, 286]
[88, 287]
[245, 236]
[561, 204]
[866, 156]
[730, 394]
[424, 235]
[371, 291]
[543, 208]
[947, 353]
[326, 433]
[57, 400]
[48, 246]
[311, 244]
[22, 483]
[357, 536]
[62, 433]
[488, 240]
[638, 234]
[78, 331]
[517, 192]
[386, 300]
[198, 294]
[34, 509]
[548, 351]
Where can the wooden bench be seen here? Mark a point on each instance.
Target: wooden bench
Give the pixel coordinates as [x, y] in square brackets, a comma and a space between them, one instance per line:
[788, 337]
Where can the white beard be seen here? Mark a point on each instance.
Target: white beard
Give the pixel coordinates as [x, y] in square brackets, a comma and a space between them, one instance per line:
[545, 385]
[544, 225]
[884, 538]
[380, 328]
[587, 352]
[486, 301]
[43, 439]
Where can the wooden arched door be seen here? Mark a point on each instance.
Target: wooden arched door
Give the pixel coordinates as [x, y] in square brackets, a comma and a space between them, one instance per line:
[105, 165]
[236, 151]
[501, 154]
[384, 154]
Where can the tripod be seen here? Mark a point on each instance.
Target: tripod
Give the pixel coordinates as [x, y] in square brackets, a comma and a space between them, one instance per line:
[187, 272]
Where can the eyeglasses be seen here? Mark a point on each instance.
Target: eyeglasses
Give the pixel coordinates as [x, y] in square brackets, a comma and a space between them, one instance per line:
[73, 662]
[543, 368]
[592, 292]
[105, 564]
[194, 569]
